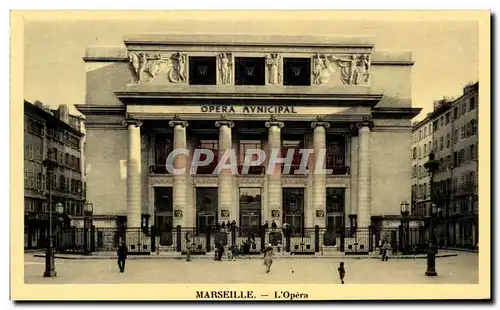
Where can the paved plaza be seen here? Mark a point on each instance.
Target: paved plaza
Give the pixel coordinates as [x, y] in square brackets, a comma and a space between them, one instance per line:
[461, 269]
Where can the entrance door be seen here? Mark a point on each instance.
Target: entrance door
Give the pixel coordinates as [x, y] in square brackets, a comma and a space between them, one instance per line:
[334, 222]
[293, 209]
[206, 208]
[205, 220]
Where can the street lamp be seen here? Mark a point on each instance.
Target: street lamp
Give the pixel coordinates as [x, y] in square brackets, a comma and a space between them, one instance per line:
[50, 164]
[405, 225]
[432, 166]
[88, 209]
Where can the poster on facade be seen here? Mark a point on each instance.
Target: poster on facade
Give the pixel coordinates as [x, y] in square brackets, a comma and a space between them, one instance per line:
[335, 160]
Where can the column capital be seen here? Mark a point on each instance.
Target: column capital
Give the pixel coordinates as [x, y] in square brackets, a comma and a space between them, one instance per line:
[132, 121]
[174, 123]
[316, 124]
[366, 122]
[221, 123]
[275, 123]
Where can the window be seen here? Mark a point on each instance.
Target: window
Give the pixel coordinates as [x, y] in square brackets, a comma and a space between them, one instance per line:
[296, 71]
[250, 71]
[163, 147]
[62, 183]
[420, 134]
[425, 149]
[472, 152]
[456, 115]
[414, 156]
[442, 121]
[296, 142]
[462, 132]
[425, 131]
[455, 136]
[38, 181]
[30, 151]
[441, 143]
[435, 145]
[430, 129]
[472, 103]
[419, 172]
[44, 182]
[250, 146]
[435, 125]
[207, 142]
[448, 140]
[473, 127]
[429, 147]
[419, 153]
[203, 71]
[464, 108]
[447, 118]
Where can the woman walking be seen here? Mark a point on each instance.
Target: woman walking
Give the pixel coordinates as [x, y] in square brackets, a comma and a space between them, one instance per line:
[268, 257]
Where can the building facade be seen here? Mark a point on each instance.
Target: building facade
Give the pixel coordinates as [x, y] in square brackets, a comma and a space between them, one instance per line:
[422, 139]
[455, 143]
[58, 131]
[159, 93]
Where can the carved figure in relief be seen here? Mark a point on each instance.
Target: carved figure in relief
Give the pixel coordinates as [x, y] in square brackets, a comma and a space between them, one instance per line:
[147, 67]
[322, 69]
[354, 69]
[273, 62]
[177, 73]
[225, 65]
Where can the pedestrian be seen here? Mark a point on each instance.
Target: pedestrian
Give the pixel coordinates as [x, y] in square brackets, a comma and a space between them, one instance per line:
[274, 226]
[220, 251]
[385, 250]
[341, 272]
[380, 243]
[122, 256]
[268, 257]
[266, 226]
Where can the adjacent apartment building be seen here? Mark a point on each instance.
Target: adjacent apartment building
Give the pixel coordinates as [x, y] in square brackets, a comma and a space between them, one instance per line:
[421, 147]
[46, 129]
[455, 143]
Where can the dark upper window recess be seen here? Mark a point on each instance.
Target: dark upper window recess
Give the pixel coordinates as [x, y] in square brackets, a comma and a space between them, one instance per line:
[297, 71]
[250, 71]
[202, 71]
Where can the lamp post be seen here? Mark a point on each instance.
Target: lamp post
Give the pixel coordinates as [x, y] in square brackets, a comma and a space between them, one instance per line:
[432, 166]
[405, 225]
[50, 164]
[88, 209]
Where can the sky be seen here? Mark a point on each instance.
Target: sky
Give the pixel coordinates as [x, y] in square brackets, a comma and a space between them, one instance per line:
[445, 52]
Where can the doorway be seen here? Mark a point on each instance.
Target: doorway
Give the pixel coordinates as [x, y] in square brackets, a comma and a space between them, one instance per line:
[206, 208]
[293, 209]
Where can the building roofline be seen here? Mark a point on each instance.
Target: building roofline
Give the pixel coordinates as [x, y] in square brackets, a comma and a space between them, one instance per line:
[248, 40]
[49, 117]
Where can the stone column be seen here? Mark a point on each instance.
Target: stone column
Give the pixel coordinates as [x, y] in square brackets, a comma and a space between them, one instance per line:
[319, 179]
[133, 173]
[179, 190]
[274, 192]
[225, 179]
[354, 150]
[364, 177]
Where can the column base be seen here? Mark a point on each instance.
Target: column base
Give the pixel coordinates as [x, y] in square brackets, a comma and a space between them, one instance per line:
[50, 273]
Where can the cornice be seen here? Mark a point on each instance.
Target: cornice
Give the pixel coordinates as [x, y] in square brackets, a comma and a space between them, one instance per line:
[90, 109]
[390, 112]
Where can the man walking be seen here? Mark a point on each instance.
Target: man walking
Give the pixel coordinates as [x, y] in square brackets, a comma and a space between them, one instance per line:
[385, 250]
[122, 256]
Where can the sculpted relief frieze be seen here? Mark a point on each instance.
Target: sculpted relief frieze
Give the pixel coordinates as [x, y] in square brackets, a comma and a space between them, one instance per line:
[148, 66]
[354, 69]
[349, 69]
